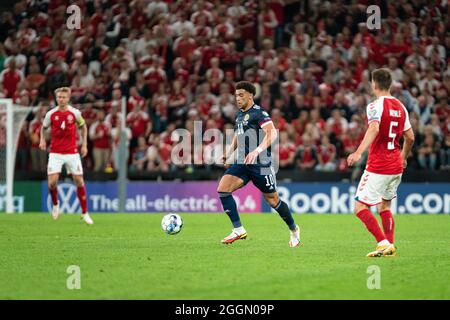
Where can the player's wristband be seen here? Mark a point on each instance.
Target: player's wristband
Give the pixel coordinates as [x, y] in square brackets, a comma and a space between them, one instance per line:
[259, 150]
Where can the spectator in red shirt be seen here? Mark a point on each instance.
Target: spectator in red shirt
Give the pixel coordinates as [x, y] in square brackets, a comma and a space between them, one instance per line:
[286, 151]
[277, 7]
[34, 78]
[114, 117]
[299, 124]
[184, 46]
[442, 109]
[336, 124]
[316, 120]
[164, 153]
[116, 100]
[134, 100]
[267, 22]
[10, 78]
[139, 123]
[306, 156]
[350, 139]
[247, 26]
[214, 75]
[326, 155]
[154, 76]
[177, 99]
[278, 120]
[89, 114]
[216, 117]
[231, 60]
[100, 134]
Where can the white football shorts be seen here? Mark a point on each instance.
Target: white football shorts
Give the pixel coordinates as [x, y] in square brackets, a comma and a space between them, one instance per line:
[375, 187]
[71, 161]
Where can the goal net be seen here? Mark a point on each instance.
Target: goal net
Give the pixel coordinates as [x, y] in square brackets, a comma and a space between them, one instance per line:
[12, 118]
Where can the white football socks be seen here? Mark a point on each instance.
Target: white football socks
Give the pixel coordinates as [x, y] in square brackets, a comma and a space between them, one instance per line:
[239, 230]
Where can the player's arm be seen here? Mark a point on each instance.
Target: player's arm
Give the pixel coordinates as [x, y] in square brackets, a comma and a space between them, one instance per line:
[84, 134]
[230, 150]
[44, 127]
[408, 142]
[42, 142]
[270, 137]
[369, 137]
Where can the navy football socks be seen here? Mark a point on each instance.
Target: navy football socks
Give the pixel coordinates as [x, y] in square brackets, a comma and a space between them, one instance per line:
[230, 208]
[285, 214]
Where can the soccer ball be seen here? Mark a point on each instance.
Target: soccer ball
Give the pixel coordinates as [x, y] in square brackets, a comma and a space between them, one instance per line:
[172, 223]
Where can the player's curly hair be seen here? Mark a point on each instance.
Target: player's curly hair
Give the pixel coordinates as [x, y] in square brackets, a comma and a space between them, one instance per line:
[382, 77]
[247, 86]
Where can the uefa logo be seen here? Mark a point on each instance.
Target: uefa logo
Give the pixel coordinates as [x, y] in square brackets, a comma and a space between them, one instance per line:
[68, 200]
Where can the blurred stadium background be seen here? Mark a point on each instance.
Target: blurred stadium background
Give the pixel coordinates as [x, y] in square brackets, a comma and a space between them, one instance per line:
[171, 63]
[176, 62]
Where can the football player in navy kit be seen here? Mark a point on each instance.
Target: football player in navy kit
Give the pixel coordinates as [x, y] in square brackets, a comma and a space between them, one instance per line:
[254, 135]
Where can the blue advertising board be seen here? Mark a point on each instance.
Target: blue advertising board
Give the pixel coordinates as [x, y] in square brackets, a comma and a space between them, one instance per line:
[412, 198]
[152, 197]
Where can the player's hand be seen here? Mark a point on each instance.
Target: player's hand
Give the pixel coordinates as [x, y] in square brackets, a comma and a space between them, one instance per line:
[251, 157]
[43, 145]
[84, 151]
[224, 162]
[353, 158]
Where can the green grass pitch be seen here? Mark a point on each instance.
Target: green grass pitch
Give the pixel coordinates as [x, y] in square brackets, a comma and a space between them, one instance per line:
[127, 256]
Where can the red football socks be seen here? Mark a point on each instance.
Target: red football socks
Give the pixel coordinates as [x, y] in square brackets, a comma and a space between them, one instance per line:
[81, 193]
[388, 224]
[54, 195]
[371, 224]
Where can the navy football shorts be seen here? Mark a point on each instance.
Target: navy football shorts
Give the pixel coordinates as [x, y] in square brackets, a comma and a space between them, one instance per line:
[263, 177]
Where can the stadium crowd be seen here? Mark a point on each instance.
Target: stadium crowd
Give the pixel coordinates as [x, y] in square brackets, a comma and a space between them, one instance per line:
[176, 62]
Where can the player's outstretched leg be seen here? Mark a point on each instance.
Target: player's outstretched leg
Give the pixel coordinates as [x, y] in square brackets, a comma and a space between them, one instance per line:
[227, 185]
[53, 191]
[371, 223]
[81, 193]
[285, 213]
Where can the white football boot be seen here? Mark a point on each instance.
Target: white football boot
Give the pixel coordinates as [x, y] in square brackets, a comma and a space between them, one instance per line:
[87, 218]
[55, 211]
[295, 237]
[236, 234]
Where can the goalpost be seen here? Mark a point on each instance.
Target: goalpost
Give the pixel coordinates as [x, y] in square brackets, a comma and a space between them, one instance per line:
[11, 121]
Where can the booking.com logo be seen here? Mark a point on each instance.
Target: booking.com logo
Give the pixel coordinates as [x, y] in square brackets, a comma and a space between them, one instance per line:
[208, 147]
[68, 200]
